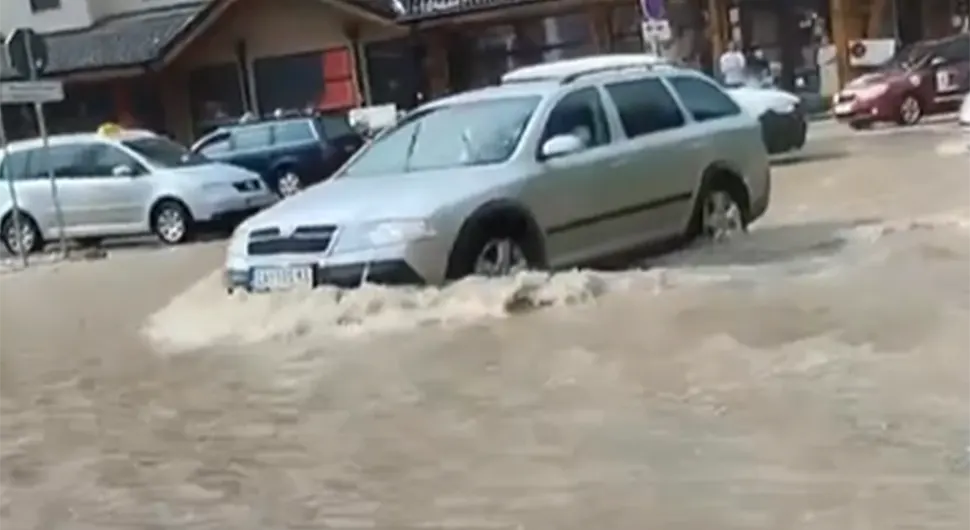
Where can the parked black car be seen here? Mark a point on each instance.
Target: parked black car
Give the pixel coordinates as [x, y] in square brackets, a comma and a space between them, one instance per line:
[290, 153]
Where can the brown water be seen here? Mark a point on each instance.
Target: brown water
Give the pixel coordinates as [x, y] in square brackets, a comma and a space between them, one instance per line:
[813, 374]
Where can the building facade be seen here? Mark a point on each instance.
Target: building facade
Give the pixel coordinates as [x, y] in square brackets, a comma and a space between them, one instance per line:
[185, 66]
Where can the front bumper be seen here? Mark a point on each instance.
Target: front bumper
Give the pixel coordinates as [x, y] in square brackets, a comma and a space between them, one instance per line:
[783, 132]
[216, 208]
[864, 111]
[348, 276]
[418, 262]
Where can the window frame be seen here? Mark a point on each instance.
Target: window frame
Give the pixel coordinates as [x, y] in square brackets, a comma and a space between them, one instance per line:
[253, 127]
[40, 6]
[305, 124]
[685, 117]
[137, 166]
[685, 108]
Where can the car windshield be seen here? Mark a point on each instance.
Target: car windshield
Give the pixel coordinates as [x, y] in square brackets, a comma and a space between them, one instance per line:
[163, 152]
[464, 134]
[908, 57]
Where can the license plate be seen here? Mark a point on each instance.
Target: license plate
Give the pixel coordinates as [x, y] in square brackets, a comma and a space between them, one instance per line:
[843, 108]
[282, 278]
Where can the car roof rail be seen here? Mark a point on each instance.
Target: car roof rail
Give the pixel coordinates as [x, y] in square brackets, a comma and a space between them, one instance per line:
[570, 78]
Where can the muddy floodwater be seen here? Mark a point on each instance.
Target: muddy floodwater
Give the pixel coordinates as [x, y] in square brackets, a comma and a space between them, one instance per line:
[813, 374]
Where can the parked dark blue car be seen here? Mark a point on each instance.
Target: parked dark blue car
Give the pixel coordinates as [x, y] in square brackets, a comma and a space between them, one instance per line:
[290, 153]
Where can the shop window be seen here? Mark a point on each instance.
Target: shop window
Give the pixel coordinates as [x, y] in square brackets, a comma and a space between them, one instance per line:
[625, 33]
[215, 96]
[314, 80]
[497, 49]
[290, 82]
[391, 72]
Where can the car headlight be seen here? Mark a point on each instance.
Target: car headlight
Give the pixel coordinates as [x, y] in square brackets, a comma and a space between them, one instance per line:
[216, 187]
[382, 234]
[872, 91]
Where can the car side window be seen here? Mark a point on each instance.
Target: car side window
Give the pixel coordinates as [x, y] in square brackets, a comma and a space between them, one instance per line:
[102, 159]
[214, 145]
[703, 100]
[64, 161]
[645, 106]
[292, 132]
[955, 51]
[253, 137]
[15, 165]
[579, 113]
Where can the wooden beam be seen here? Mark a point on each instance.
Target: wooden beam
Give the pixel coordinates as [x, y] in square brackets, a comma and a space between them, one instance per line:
[874, 28]
[718, 31]
[840, 15]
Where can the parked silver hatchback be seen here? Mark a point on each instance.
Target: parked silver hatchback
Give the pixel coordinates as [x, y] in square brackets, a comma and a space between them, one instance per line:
[119, 182]
[563, 164]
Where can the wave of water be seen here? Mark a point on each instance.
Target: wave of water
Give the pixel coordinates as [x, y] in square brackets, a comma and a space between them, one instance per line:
[204, 315]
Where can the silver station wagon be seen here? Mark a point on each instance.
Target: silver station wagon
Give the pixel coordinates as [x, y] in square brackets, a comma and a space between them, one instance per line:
[562, 164]
[118, 182]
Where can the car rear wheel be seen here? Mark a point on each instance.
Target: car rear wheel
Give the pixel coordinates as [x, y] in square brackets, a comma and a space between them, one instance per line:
[171, 222]
[910, 110]
[289, 183]
[30, 237]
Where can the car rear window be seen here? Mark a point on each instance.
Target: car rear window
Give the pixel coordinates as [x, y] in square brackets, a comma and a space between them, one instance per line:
[335, 126]
[292, 131]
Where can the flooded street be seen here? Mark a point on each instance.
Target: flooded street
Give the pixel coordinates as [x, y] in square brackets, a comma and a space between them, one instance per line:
[811, 375]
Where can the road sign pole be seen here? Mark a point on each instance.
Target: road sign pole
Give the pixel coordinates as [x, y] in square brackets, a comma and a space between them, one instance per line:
[15, 207]
[45, 141]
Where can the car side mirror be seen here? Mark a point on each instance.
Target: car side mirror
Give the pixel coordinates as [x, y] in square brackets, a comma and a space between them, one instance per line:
[561, 145]
[123, 170]
[937, 61]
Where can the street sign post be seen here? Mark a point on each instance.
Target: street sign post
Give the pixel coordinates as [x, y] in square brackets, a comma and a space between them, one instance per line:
[28, 56]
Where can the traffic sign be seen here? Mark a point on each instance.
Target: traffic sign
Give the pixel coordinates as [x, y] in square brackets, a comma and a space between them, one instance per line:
[28, 52]
[14, 92]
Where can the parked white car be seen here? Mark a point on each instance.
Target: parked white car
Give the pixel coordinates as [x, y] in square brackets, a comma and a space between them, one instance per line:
[118, 182]
[965, 117]
[783, 123]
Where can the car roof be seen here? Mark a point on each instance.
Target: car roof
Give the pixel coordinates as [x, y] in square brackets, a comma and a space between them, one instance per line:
[537, 89]
[560, 70]
[61, 139]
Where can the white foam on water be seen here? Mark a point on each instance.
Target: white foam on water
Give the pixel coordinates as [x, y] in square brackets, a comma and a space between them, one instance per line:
[205, 315]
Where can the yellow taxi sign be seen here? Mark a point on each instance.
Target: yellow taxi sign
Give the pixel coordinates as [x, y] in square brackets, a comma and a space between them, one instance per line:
[110, 129]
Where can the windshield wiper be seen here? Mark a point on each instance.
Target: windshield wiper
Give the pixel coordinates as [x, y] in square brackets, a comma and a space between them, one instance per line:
[411, 143]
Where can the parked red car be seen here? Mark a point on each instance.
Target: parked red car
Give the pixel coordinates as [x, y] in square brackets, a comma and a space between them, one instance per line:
[924, 78]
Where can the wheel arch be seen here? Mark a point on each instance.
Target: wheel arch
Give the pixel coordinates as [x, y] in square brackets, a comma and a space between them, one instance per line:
[283, 162]
[501, 210]
[157, 201]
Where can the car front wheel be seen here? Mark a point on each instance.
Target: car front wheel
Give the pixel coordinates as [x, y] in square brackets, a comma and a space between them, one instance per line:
[171, 222]
[30, 238]
[910, 110]
[289, 183]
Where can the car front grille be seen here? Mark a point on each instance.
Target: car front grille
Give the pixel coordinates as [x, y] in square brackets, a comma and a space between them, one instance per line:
[304, 240]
